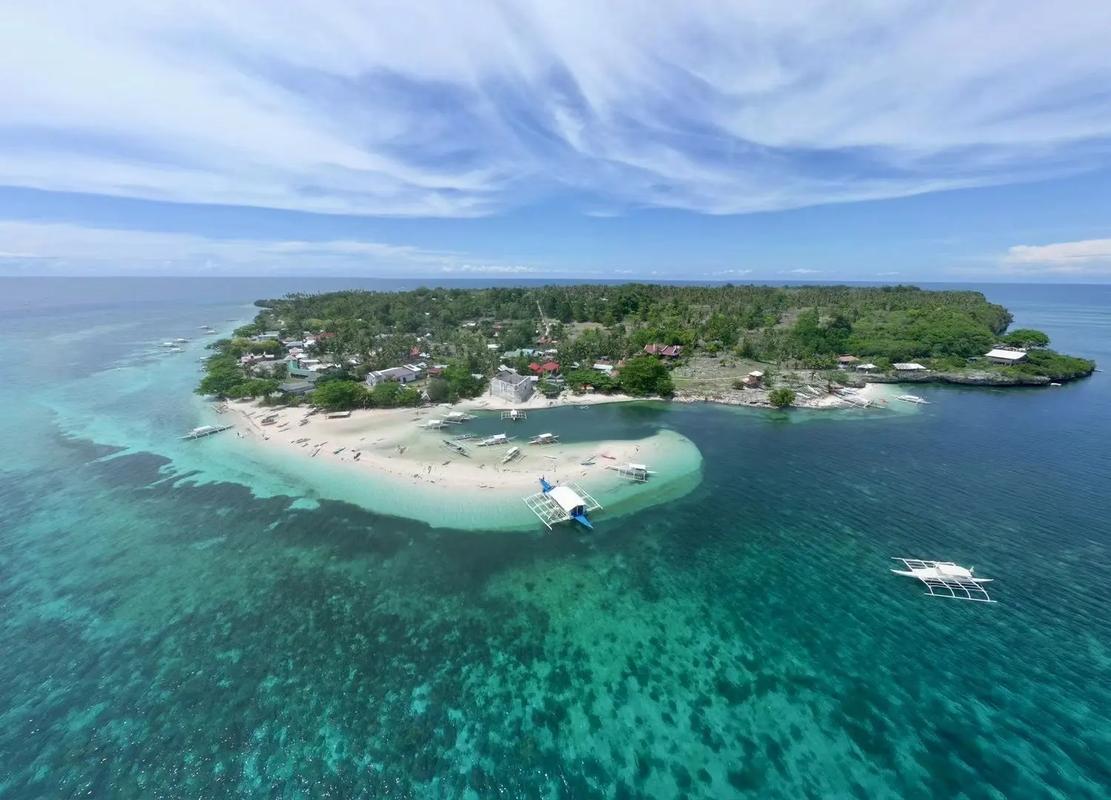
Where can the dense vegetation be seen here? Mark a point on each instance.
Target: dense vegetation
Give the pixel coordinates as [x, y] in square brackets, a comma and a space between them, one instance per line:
[469, 332]
[773, 324]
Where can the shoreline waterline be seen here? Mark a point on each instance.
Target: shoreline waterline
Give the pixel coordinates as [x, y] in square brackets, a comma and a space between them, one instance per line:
[385, 461]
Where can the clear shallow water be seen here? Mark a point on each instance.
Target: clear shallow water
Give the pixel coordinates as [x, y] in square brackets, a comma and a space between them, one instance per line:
[177, 628]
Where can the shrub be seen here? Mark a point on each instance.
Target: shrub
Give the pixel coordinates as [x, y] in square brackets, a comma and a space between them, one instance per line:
[781, 397]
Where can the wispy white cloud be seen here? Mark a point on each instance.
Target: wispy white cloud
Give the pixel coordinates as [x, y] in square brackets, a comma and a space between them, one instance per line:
[32, 248]
[802, 271]
[888, 274]
[729, 272]
[490, 269]
[466, 109]
[1085, 257]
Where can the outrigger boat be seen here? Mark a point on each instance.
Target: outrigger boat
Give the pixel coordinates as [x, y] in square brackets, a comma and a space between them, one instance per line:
[510, 454]
[432, 424]
[913, 398]
[545, 438]
[205, 430]
[513, 415]
[634, 472]
[458, 448]
[457, 417]
[564, 503]
[497, 438]
[946, 579]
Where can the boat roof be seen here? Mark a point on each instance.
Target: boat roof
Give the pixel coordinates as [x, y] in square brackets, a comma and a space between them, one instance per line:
[566, 498]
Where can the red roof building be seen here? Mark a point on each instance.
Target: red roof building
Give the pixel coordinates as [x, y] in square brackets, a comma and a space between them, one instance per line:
[547, 368]
[665, 350]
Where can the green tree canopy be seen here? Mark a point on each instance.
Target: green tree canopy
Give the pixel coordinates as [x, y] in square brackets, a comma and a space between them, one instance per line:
[644, 375]
[1026, 337]
[340, 395]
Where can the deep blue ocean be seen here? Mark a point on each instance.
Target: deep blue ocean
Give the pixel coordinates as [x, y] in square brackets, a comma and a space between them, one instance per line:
[177, 621]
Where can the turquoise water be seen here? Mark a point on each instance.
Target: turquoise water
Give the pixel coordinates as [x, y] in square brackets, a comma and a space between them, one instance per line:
[175, 623]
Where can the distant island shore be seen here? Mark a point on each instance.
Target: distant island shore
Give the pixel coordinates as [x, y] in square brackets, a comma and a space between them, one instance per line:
[803, 346]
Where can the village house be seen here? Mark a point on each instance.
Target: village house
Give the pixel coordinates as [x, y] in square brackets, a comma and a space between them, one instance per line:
[509, 385]
[546, 369]
[405, 374]
[753, 379]
[524, 352]
[908, 366]
[844, 362]
[664, 350]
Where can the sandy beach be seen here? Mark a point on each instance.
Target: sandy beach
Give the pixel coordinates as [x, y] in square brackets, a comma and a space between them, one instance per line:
[393, 443]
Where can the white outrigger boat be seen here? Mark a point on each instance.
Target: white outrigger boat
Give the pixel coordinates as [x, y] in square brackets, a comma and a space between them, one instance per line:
[946, 579]
[563, 503]
[457, 417]
[514, 415]
[511, 454]
[913, 398]
[490, 441]
[635, 472]
[433, 424]
[205, 430]
[545, 438]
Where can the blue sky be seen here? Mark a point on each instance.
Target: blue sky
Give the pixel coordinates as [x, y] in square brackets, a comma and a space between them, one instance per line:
[836, 141]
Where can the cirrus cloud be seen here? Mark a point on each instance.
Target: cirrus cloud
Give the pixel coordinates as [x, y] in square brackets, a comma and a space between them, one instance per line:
[37, 248]
[456, 110]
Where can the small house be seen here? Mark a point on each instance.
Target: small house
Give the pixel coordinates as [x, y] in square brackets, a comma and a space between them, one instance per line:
[664, 350]
[908, 366]
[753, 379]
[546, 369]
[865, 367]
[1005, 355]
[509, 385]
[844, 362]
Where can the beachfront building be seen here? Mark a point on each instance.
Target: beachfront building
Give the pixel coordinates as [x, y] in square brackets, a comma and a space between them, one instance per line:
[508, 384]
[753, 379]
[908, 366]
[865, 367]
[298, 388]
[844, 362]
[302, 372]
[603, 368]
[1005, 355]
[405, 374]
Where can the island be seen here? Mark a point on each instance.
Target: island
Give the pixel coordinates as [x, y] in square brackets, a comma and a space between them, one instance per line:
[805, 346]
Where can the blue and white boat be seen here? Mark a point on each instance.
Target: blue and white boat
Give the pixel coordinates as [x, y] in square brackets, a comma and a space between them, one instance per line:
[564, 503]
